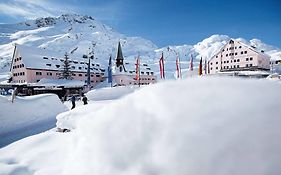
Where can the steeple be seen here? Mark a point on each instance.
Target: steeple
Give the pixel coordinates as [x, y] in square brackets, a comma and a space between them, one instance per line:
[119, 59]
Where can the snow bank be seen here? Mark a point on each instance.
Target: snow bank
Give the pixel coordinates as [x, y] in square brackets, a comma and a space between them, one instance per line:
[26, 111]
[97, 100]
[198, 126]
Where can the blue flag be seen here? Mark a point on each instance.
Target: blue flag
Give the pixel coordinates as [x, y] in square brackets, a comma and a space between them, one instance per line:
[88, 74]
[109, 70]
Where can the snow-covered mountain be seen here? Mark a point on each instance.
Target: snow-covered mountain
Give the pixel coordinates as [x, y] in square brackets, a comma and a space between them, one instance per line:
[76, 33]
[70, 33]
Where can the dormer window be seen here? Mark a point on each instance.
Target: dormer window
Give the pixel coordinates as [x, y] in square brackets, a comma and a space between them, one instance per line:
[49, 65]
[45, 58]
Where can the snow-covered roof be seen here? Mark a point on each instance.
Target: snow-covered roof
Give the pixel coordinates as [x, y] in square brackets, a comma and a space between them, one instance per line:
[61, 82]
[44, 59]
[245, 45]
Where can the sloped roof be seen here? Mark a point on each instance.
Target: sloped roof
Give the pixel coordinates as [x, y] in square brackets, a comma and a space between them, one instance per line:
[44, 59]
[249, 47]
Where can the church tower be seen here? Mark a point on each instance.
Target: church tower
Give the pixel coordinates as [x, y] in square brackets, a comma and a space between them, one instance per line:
[119, 59]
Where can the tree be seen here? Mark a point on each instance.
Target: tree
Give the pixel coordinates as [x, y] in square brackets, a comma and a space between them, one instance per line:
[66, 70]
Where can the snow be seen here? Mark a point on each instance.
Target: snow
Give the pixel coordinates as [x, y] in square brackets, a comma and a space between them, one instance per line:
[60, 82]
[195, 126]
[25, 112]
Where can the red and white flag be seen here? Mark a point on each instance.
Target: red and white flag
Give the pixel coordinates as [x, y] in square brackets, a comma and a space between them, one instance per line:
[191, 63]
[200, 67]
[178, 67]
[161, 65]
[205, 67]
[138, 68]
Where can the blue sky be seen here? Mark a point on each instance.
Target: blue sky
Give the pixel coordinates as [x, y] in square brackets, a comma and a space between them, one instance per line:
[165, 22]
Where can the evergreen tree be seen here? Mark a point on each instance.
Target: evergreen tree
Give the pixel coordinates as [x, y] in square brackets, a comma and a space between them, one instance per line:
[66, 69]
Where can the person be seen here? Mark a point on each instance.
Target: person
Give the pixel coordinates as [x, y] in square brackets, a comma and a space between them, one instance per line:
[73, 101]
[85, 99]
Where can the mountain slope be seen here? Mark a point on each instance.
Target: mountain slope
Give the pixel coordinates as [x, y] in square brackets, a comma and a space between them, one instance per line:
[76, 33]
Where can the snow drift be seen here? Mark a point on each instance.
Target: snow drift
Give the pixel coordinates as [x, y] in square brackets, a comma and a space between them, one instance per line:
[198, 126]
[26, 111]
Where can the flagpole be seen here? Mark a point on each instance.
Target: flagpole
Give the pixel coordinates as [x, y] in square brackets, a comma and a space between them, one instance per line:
[139, 68]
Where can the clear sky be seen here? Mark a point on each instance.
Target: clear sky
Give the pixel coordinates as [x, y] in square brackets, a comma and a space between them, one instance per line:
[165, 22]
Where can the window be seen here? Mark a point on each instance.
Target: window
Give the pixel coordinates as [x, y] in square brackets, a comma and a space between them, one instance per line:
[80, 68]
[211, 68]
[235, 53]
[240, 47]
[38, 73]
[251, 58]
[58, 66]
[227, 61]
[217, 68]
[48, 65]
[80, 75]
[238, 60]
[242, 53]
[246, 65]
[237, 66]
[250, 65]
[247, 59]
[216, 56]
[49, 73]
[211, 63]
[226, 55]
[234, 66]
[234, 61]
[245, 52]
[224, 61]
[223, 50]
[217, 62]
[45, 58]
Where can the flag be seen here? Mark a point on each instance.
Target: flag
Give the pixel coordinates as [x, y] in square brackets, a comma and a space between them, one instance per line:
[178, 68]
[208, 67]
[138, 68]
[88, 74]
[200, 67]
[191, 63]
[162, 69]
[205, 67]
[109, 70]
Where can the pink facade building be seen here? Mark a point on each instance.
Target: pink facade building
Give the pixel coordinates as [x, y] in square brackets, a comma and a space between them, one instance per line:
[30, 65]
[236, 56]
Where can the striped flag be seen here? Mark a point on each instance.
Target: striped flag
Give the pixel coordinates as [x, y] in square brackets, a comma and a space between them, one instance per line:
[178, 67]
[205, 67]
[109, 70]
[191, 63]
[161, 65]
[138, 68]
[200, 67]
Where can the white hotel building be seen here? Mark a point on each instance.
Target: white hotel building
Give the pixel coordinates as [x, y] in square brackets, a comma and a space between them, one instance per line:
[236, 56]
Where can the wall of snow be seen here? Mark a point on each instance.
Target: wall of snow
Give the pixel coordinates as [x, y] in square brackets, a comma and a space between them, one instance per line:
[27, 111]
[199, 126]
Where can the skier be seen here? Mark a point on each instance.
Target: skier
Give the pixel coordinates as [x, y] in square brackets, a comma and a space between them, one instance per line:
[73, 101]
[85, 99]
